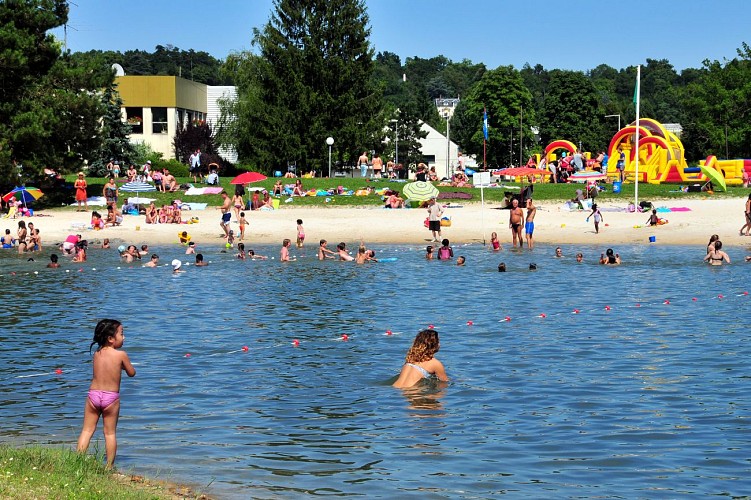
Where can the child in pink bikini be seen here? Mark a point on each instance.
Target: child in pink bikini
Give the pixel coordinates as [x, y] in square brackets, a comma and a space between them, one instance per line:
[300, 234]
[104, 391]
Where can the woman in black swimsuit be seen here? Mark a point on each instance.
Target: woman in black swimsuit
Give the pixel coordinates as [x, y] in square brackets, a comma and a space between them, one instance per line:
[716, 256]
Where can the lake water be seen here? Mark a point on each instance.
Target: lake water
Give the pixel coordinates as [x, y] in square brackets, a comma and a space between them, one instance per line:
[644, 400]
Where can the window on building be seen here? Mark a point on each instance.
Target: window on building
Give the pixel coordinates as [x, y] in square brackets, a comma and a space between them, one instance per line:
[159, 120]
[134, 117]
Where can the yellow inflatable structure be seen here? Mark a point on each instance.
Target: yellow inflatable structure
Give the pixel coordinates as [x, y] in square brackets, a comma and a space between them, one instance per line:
[662, 157]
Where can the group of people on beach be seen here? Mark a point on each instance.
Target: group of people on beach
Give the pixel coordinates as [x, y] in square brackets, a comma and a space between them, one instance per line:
[167, 214]
[516, 217]
[163, 180]
[27, 239]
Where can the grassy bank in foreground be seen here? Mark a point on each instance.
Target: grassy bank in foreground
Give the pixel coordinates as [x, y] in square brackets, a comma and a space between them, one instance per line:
[36, 472]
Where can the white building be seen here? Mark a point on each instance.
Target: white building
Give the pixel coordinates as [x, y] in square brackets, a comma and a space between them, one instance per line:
[446, 106]
[213, 95]
[441, 152]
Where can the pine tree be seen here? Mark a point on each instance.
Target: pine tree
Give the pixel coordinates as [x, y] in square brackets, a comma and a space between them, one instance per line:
[114, 135]
[28, 53]
[311, 81]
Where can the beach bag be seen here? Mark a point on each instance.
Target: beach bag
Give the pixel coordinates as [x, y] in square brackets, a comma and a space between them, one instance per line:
[446, 222]
[631, 208]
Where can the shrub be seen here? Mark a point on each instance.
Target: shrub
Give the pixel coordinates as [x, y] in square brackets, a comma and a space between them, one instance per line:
[175, 167]
[143, 152]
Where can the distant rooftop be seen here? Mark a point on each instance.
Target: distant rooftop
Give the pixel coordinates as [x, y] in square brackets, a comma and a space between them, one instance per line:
[675, 128]
[446, 102]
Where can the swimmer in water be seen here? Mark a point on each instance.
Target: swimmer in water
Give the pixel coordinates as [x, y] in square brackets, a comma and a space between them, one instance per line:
[494, 242]
[610, 258]
[716, 256]
[429, 252]
[323, 252]
[342, 252]
[420, 362]
[712, 239]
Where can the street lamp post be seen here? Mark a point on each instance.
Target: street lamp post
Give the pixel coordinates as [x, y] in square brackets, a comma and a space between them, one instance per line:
[396, 144]
[619, 119]
[330, 142]
[448, 143]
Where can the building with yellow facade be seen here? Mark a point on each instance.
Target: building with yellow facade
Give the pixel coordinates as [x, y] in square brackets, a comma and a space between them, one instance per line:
[155, 106]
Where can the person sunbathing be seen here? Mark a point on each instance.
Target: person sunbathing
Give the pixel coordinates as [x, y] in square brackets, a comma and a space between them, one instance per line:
[114, 216]
[177, 215]
[298, 189]
[152, 216]
[169, 214]
[459, 179]
[395, 201]
[432, 175]
[169, 181]
[267, 205]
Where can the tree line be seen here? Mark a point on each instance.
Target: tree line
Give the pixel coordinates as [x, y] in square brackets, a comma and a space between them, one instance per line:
[166, 60]
[314, 54]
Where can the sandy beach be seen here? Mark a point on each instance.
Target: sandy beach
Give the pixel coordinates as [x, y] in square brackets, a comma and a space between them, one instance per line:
[470, 223]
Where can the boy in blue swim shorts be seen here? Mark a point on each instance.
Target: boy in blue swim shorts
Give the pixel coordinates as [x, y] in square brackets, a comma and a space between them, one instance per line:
[529, 225]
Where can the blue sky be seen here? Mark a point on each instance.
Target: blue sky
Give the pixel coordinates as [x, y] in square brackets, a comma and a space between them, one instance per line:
[577, 34]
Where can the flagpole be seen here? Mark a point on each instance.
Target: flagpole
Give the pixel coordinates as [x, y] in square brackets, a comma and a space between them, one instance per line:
[484, 153]
[637, 98]
[484, 137]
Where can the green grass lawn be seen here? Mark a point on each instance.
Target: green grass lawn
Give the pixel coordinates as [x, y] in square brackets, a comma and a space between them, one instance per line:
[542, 192]
[37, 472]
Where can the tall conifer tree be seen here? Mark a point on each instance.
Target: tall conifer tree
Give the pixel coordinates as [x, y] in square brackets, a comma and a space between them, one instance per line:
[114, 134]
[311, 81]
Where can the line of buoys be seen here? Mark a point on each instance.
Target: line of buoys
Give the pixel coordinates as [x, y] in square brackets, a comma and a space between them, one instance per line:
[608, 308]
[57, 371]
[344, 337]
